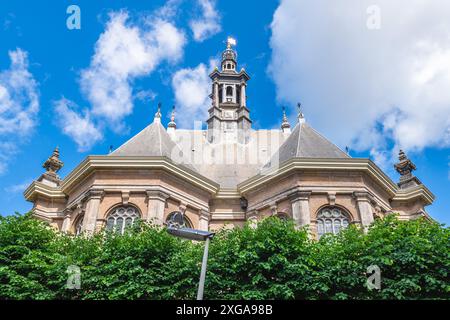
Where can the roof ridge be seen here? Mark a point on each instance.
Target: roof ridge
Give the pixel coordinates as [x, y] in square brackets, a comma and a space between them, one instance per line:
[159, 138]
[297, 152]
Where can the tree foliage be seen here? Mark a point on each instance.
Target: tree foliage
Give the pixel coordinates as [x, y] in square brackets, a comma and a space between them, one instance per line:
[272, 261]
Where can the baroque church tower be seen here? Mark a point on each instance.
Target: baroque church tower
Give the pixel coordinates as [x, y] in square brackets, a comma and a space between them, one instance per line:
[229, 117]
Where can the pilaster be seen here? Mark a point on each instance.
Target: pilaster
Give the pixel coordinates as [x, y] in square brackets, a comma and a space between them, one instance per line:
[203, 222]
[252, 218]
[94, 198]
[300, 208]
[67, 221]
[363, 200]
[156, 202]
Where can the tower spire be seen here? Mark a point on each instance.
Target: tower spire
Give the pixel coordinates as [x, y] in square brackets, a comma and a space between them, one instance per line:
[285, 125]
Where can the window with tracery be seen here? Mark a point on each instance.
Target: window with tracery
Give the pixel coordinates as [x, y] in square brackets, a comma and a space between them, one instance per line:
[186, 222]
[331, 220]
[121, 218]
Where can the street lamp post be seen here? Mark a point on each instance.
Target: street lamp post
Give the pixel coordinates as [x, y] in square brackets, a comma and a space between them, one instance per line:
[201, 283]
[177, 229]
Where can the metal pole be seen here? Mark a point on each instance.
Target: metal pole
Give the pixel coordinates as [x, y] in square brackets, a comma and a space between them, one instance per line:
[201, 284]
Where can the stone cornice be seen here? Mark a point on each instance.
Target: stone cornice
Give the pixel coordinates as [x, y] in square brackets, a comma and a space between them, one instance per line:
[156, 194]
[95, 194]
[225, 193]
[43, 216]
[361, 196]
[92, 163]
[204, 214]
[416, 192]
[238, 75]
[299, 195]
[218, 216]
[344, 164]
[37, 188]
[47, 216]
[314, 190]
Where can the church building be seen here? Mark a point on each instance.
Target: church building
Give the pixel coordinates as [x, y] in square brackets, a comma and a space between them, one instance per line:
[225, 175]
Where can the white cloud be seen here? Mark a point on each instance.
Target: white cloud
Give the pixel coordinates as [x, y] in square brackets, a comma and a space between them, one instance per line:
[208, 23]
[122, 53]
[18, 187]
[126, 50]
[369, 88]
[76, 125]
[19, 105]
[145, 95]
[192, 87]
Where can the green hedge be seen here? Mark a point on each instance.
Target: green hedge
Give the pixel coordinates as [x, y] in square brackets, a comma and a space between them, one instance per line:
[273, 261]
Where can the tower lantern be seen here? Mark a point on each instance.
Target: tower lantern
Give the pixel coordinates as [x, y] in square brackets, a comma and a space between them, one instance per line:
[229, 56]
[229, 116]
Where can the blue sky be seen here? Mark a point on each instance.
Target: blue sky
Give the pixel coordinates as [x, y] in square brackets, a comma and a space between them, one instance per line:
[373, 85]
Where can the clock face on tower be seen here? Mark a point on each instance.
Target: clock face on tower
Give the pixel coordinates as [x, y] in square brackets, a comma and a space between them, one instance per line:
[228, 114]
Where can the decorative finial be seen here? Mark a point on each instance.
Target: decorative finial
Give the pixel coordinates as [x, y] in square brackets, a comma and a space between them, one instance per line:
[172, 123]
[158, 114]
[402, 155]
[53, 164]
[111, 148]
[301, 117]
[285, 125]
[172, 117]
[230, 42]
[347, 150]
[229, 56]
[405, 167]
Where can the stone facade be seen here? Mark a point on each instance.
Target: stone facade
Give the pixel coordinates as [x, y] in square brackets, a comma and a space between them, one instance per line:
[292, 174]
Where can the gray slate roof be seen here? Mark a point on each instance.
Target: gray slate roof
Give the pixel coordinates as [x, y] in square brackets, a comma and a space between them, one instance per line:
[304, 142]
[262, 145]
[152, 141]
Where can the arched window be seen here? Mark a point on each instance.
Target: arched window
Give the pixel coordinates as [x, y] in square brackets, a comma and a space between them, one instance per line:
[121, 218]
[282, 216]
[78, 226]
[229, 91]
[186, 222]
[331, 220]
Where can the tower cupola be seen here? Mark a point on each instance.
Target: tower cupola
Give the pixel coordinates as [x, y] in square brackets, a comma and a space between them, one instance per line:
[229, 57]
